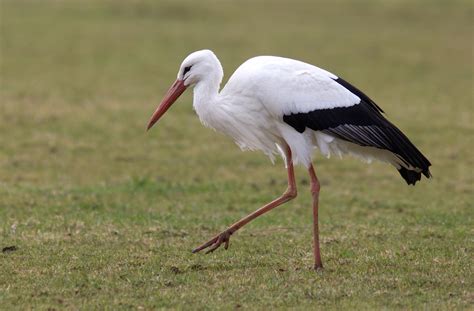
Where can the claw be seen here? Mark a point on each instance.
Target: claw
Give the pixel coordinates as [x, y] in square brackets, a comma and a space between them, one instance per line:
[205, 245]
[216, 242]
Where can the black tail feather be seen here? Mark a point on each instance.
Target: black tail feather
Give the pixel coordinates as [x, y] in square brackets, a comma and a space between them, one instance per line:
[411, 177]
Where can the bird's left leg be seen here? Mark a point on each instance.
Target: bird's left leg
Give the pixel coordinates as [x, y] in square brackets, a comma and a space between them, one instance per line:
[289, 194]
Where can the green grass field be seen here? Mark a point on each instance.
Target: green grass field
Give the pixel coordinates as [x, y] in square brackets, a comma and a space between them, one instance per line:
[104, 216]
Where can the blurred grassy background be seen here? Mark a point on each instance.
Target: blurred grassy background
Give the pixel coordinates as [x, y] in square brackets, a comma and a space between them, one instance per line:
[103, 214]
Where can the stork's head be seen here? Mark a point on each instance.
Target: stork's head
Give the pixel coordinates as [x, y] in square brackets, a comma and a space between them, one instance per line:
[201, 66]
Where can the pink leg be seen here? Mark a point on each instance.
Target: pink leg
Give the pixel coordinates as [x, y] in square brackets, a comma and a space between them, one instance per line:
[315, 187]
[289, 194]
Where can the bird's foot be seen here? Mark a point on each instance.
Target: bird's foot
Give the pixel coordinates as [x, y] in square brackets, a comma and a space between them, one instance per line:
[215, 242]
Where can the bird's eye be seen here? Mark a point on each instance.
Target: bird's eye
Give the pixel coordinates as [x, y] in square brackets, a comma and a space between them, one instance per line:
[186, 69]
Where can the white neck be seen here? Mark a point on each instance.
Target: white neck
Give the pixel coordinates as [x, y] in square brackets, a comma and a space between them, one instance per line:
[206, 76]
[205, 95]
[206, 91]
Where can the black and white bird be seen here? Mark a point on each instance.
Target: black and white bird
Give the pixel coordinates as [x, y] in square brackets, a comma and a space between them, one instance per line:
[289, 108]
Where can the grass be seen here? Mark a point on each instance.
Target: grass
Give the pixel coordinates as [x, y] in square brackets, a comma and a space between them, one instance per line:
[103, 216]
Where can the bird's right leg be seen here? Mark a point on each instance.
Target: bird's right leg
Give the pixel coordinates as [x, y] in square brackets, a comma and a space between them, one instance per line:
[289, 194]
[315, 187]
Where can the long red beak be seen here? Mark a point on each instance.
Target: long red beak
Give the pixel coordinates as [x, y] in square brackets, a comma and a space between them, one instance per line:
[171, 96]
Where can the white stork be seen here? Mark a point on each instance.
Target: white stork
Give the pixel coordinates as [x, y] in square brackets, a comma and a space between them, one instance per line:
[288, 107]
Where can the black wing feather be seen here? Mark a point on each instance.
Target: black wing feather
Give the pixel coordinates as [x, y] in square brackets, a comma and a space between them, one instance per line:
[363, 124]
[359, 93]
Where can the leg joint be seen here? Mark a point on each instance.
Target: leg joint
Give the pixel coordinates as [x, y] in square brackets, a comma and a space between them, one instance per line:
[290, 193]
